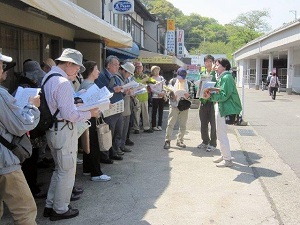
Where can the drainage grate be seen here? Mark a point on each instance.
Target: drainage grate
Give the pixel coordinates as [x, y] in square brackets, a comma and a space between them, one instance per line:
[244, 132]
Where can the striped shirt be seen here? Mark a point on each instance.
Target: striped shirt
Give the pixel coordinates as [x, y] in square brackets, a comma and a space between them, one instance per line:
[59, 94]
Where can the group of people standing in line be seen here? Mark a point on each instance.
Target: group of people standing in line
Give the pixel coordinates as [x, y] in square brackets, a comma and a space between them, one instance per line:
[69, 75]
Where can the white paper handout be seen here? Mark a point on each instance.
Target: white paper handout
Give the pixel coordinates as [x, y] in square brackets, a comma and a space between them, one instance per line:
[205, 85]
[131, 84]
[23, 94]
[180, 94]
[94, 97]
[117, 107]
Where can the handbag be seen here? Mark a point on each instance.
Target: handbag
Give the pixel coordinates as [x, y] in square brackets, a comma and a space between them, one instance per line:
[82, 126]
[104, 134]
[184, 104]
[20, 146]
[232, 119]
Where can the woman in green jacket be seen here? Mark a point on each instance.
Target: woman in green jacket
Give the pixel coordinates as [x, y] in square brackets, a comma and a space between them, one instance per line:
[227, 102]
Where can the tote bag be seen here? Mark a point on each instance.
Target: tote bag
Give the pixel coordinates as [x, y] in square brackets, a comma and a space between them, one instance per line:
[104, 135]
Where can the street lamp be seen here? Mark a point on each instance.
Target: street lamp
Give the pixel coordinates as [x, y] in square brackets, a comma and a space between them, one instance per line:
[294, 12]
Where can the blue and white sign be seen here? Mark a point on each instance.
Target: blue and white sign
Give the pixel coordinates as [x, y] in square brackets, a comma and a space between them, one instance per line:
[123, 6]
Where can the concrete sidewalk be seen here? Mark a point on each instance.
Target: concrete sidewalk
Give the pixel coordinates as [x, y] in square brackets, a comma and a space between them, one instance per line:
[183, 186]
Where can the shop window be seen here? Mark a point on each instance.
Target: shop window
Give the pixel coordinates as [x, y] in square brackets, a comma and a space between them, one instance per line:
[30, 43]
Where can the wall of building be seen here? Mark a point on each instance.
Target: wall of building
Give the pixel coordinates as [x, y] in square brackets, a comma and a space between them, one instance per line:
[33, 22]
[151, 36]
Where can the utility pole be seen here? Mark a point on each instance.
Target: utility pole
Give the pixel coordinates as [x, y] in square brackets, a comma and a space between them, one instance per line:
[295, 13]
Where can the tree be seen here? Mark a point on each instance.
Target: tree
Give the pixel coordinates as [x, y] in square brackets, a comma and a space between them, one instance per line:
[253, 20]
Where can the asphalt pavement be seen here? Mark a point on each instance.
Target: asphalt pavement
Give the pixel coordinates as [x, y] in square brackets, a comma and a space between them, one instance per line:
[183, 186]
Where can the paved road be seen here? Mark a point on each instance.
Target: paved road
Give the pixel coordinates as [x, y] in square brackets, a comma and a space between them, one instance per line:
[182, 186]
[277, 121]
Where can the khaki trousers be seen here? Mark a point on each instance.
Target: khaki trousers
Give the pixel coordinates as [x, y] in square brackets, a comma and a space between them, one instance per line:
[63, 146]
[145, 116]
[182, 117]
[14, 191]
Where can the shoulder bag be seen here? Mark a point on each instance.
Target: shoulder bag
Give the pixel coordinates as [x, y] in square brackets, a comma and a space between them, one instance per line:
[104, 134]
[20, 146]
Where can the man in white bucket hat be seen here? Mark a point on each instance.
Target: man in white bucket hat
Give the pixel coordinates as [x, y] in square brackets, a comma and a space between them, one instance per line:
[62, 137]
[126, 70]
[14, 120]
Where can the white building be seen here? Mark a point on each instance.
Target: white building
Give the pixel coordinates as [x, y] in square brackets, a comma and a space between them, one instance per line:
[277, 51]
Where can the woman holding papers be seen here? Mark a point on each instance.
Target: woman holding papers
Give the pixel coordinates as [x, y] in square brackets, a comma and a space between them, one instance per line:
[158, 101]
[227, 102]
[91, 162]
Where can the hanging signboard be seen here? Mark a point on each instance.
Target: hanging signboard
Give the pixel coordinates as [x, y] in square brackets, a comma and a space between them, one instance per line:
[180, 43]
[123, 6]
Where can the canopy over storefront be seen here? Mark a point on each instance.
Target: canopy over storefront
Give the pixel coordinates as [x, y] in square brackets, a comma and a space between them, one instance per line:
[79, 17]
[125, 53]
[156, 58]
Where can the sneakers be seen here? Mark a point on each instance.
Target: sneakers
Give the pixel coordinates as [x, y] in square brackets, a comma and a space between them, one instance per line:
[167, 145]
[75, 197]
[79, 161]
[159, 128]
[120, 152]
[136, 131]
[129, 142]
[220, 159]
[202, 146]
[155, 129]
[225, 163]
[103, 177]
[180, 144]
[210, 148]
[148, 131]
[125, 149]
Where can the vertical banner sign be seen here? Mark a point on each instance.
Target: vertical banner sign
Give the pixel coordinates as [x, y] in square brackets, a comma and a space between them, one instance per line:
[170, 36]
[180, 43]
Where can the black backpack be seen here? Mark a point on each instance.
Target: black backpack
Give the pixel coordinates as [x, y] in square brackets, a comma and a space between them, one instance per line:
[46, 118]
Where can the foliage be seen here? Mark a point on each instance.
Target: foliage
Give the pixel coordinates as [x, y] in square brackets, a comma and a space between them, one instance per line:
[206, 35]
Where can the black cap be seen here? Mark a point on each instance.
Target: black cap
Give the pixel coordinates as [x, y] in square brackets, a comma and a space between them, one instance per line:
[9, 66]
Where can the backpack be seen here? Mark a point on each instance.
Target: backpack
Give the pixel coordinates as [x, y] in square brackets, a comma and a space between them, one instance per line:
[46, 118]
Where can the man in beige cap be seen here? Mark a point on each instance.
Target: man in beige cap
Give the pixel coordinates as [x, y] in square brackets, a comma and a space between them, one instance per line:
[126, 70]
[62, 137]
[14, 120]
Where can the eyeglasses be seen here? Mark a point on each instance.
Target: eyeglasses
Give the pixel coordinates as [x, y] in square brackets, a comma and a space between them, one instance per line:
[115, 64]
[3, 66]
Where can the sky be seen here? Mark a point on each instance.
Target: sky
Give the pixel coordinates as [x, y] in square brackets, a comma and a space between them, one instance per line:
[226, 11]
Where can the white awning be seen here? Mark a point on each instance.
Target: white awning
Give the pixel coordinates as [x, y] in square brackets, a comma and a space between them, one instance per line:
[77, 16]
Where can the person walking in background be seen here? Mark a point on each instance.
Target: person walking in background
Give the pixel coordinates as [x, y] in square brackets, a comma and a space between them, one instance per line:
[175, 114]
[91, 161]
[268, 82]
[142, 107]
[274, 85]
[14, 120]
[62, 137]
[227, 102]
[206, 108]
[158, 95]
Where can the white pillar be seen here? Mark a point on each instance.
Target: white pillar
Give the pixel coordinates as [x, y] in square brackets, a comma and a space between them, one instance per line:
[258, 73]
[270, 67]
[290, 71]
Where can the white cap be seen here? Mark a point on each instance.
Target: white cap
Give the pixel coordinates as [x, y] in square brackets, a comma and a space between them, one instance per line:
[5, 58]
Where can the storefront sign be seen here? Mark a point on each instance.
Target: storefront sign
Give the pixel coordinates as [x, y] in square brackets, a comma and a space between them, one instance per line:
[123, 6]
[180, 43]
